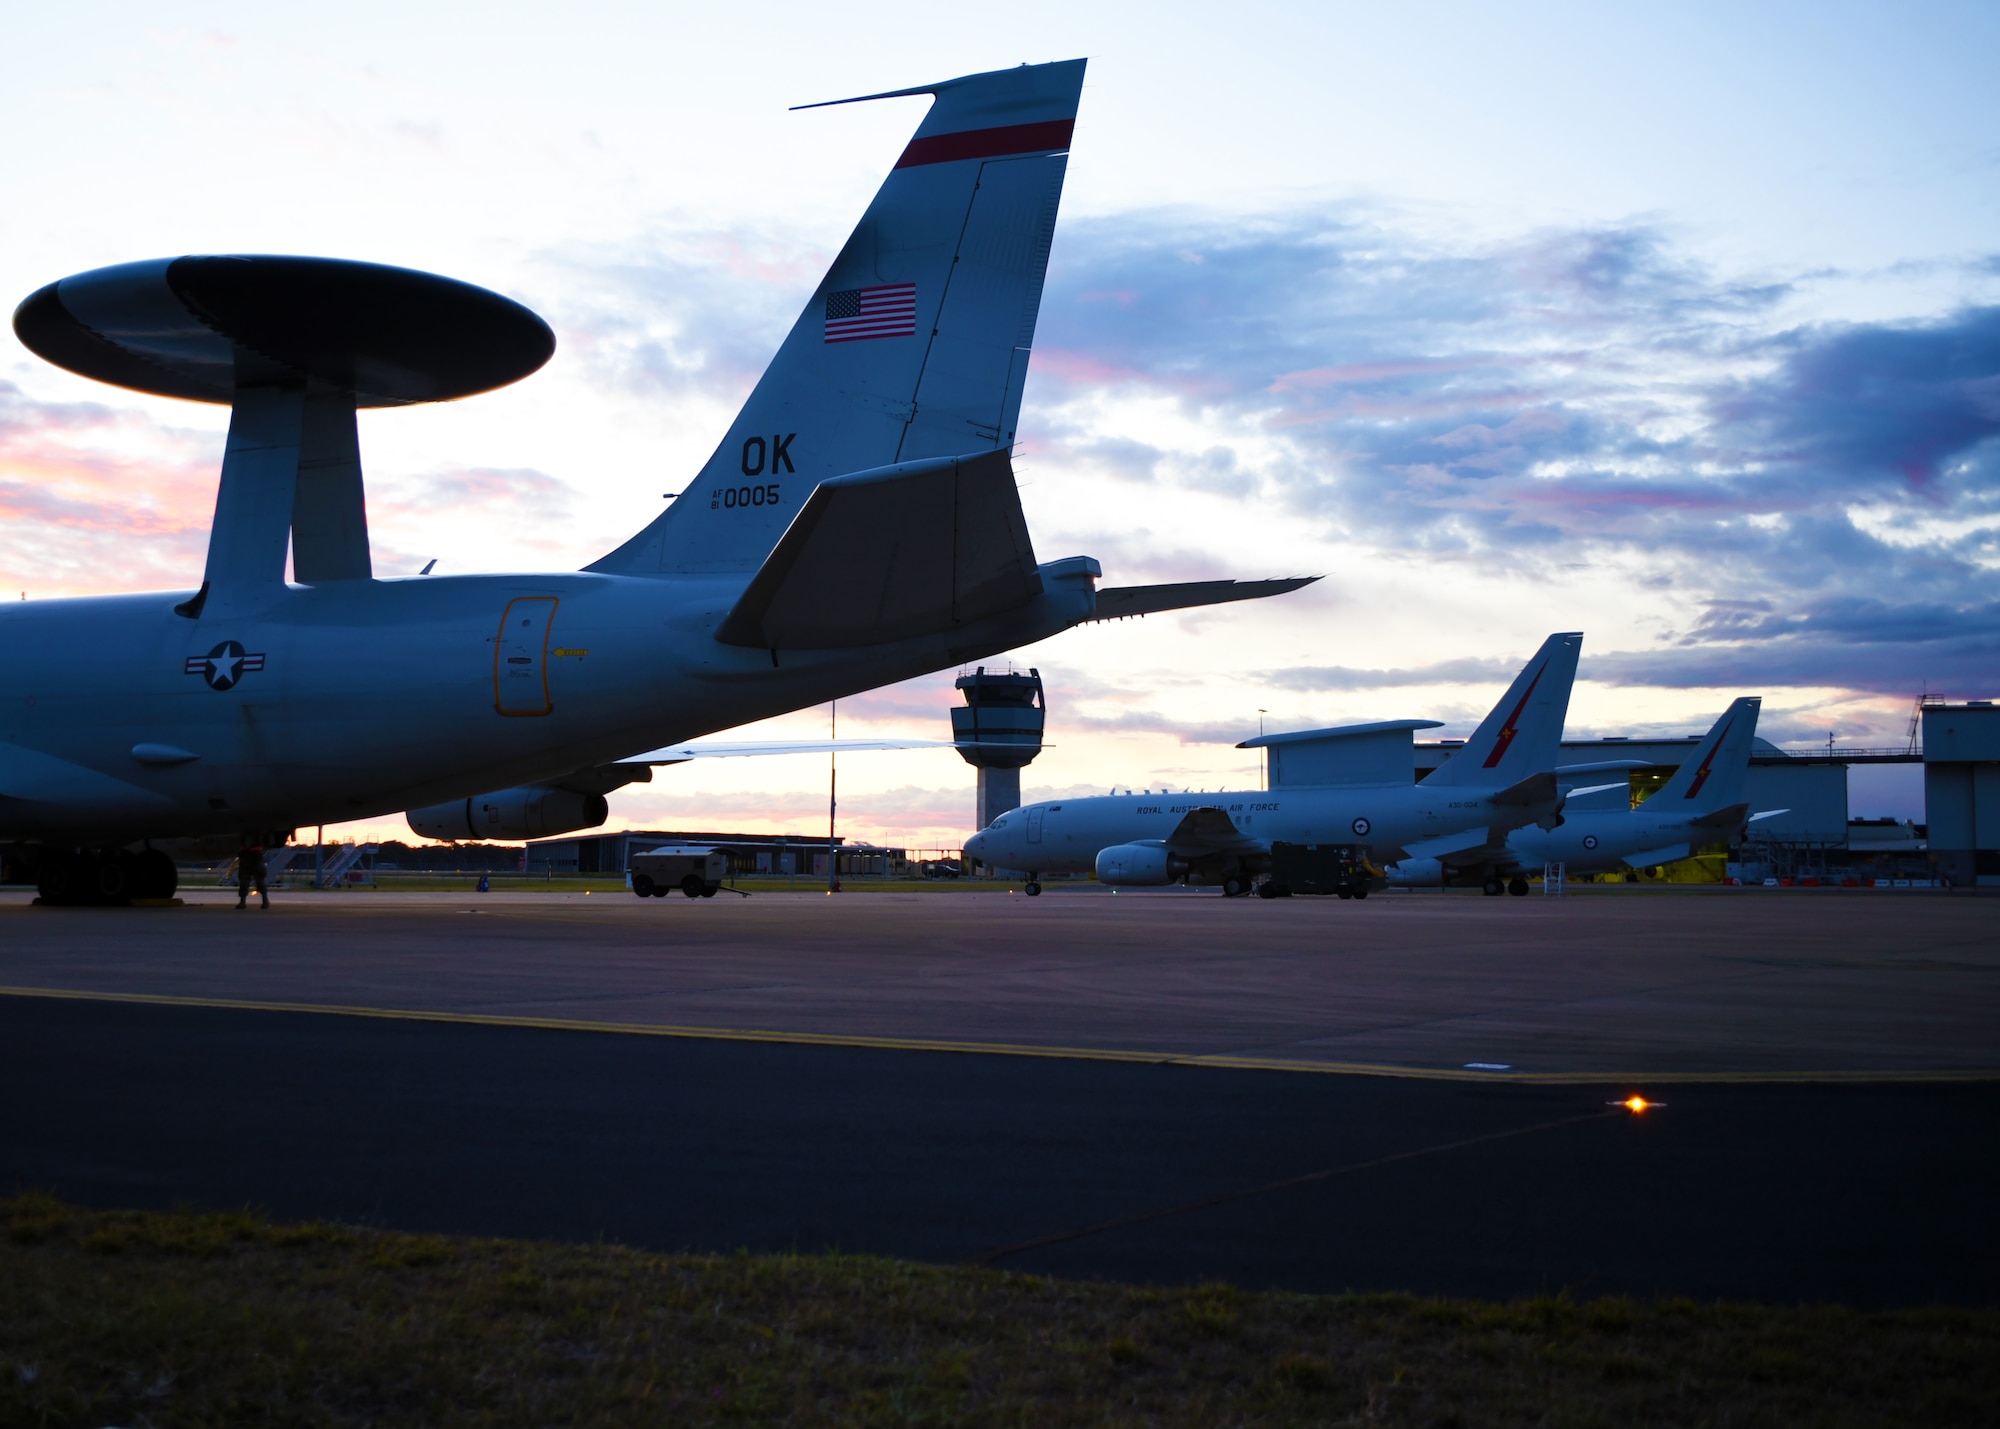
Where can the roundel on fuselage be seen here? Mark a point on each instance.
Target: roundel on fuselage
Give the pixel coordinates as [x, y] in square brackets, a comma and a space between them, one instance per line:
[1361, 827]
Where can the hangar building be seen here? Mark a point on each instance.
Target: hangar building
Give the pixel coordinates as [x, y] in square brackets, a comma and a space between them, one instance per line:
[1962, 790]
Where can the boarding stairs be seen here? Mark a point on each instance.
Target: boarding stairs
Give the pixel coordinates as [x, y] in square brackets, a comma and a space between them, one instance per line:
[345, 856]
[275, 860]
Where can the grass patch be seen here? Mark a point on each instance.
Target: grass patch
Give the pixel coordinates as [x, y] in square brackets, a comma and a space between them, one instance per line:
[119, 1317]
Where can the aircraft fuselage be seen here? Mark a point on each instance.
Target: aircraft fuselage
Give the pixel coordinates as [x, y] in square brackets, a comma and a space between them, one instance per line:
[120, 719]
[1066, 835]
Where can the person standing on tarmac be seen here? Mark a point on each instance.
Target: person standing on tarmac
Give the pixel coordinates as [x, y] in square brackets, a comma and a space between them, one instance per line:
[250, 874]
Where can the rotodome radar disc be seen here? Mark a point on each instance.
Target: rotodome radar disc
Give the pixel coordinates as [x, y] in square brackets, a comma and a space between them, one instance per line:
[199, 327]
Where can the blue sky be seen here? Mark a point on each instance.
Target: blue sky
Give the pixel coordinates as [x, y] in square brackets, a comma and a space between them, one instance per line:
[1680, 328]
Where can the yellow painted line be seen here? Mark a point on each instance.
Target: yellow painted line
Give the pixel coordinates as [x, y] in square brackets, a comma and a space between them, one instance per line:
[1000, 1049]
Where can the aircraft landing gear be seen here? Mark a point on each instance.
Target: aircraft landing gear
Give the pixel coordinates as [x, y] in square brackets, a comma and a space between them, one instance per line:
[63, 878]
[156, 875]
[1235, 886]
[1493, 888]
[1518, 887]
[104, 878]
[1033, 888]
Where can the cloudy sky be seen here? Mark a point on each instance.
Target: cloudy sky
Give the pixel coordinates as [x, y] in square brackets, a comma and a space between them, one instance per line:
[1679, 327]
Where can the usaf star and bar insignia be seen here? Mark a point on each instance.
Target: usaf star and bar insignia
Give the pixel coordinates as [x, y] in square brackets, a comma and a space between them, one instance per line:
[223, 666]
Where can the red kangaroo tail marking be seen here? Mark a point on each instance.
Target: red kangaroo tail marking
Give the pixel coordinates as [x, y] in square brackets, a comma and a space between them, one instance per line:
[1508, 730]
[1701, 774]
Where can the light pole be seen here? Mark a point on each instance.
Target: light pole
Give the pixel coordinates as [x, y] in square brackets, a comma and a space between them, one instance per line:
[832, 797]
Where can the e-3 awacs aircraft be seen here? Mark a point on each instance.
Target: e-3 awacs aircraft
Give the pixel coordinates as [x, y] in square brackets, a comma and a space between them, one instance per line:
[859, 524]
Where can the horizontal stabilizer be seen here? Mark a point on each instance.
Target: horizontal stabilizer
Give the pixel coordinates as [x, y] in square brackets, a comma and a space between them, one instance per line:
[892, 554]
[1535, 789]
[1119, 602]
[1731, 817]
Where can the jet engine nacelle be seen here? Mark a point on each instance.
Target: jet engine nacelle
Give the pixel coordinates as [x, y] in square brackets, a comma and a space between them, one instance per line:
[1416, 873]
[533, 811]
[1138, 864]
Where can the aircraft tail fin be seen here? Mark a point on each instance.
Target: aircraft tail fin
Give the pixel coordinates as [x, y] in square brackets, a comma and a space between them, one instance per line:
[1523, 734]
[916, 342]
[1714, 775]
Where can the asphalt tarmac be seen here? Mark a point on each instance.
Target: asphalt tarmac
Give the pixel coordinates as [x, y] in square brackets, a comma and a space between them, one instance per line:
[1809, 983]
[1169, 1161]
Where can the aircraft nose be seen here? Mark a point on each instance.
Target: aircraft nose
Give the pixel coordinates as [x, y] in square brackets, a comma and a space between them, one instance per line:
[974, 844]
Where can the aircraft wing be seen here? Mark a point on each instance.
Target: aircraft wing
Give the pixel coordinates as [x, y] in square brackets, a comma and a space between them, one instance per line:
[638, 768]
[682, 753]
[1207, 831]
[1672, 853]
[1447, 845]
[1120, 602]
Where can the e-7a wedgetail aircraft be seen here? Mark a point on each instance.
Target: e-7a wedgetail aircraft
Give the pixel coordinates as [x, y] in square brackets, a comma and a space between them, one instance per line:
[1352, 788]
[859, 524]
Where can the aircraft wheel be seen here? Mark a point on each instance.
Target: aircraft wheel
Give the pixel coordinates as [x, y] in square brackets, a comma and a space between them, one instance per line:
[1519, 888]
[692, 885]
[1234, 887]
[157, 876]
[1343, 891]
[1032, 888]
[57, 878]
[112, 880]
[1494, 888]
[642, 884]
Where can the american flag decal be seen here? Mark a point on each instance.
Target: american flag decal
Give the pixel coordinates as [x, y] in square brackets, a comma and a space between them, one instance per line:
[858, 313]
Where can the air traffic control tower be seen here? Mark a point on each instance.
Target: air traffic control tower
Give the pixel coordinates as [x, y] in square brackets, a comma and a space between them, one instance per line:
[998, 731]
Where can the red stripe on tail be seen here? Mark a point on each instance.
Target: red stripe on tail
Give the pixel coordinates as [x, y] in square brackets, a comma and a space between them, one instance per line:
[1045, 137]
